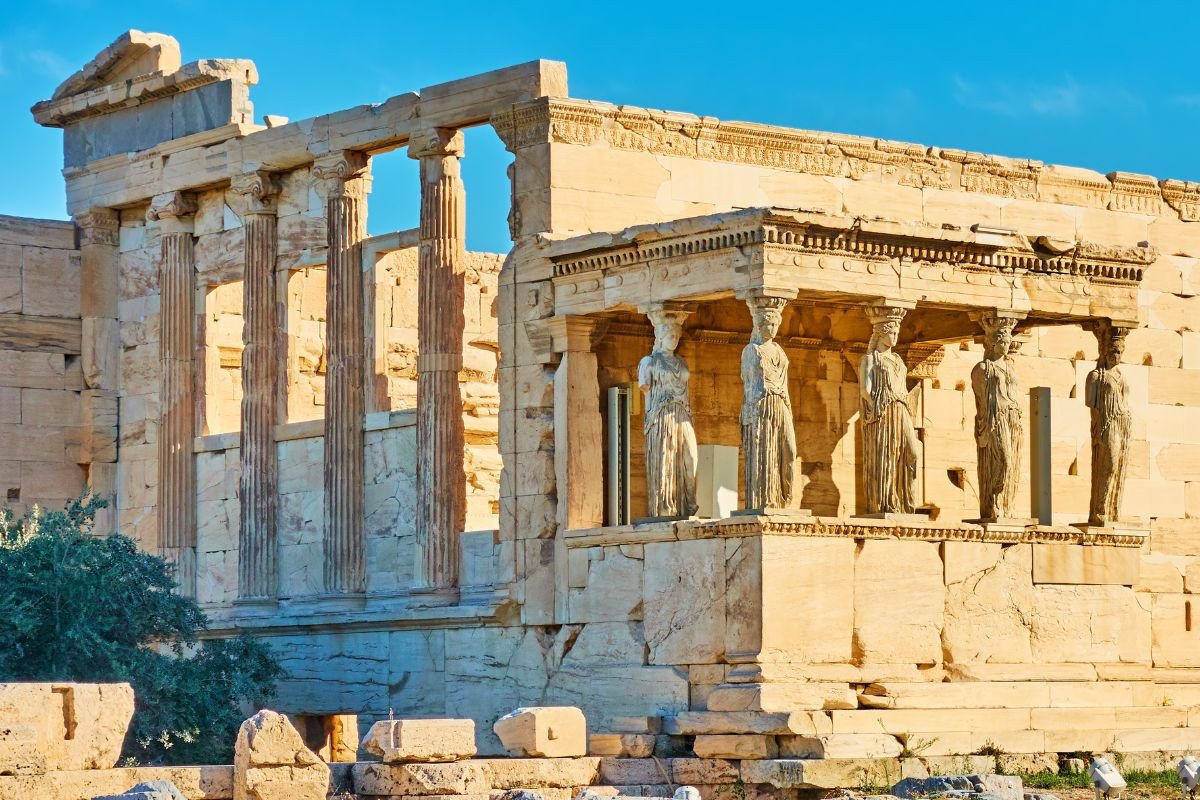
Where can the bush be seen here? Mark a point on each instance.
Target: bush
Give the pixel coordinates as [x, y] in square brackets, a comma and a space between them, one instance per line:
[80, 607]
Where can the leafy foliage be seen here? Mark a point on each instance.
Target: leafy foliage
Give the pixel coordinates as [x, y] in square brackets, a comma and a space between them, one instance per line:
[79, 607]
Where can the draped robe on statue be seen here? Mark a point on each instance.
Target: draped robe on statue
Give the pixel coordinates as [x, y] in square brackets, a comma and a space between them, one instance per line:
[890, 450]
[768, 435]
[670, 436]
[1108, 395]
[998, 431]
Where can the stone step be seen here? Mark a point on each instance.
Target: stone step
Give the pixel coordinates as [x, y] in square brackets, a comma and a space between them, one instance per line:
[790, 696]
[696, 723]
[1032, 694]
[841, 745]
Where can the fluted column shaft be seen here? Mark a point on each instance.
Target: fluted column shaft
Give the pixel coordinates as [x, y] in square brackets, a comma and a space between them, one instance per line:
[346, 186]
[176, 467]
[259, 481]
[441, 481]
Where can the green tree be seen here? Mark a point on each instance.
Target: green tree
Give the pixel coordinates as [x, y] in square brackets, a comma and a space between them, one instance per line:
[75, 606]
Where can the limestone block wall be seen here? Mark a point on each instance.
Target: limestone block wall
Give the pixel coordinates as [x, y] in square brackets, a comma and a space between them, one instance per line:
[42, 447]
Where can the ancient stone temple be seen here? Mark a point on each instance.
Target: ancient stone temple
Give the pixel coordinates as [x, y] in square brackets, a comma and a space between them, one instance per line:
[924, 424]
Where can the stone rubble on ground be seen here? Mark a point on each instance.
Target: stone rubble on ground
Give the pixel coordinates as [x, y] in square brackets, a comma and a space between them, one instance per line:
[543, 731]
[270, 762]
[148, 790]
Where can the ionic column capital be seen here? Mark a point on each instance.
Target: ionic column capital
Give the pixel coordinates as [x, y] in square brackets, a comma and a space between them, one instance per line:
[98, 226]
[436, 143]
[345, 173]
[991, 319]
[175, 210]
[767, 297]
[261, 189]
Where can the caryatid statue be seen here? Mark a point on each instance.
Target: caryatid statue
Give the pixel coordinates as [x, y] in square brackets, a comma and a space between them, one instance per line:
[999, 420]
[890, 448]
[1106, 393]
[669, 433]
[768, 433]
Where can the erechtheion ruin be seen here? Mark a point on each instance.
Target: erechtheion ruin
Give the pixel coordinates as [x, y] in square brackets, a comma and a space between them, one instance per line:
[755, 434]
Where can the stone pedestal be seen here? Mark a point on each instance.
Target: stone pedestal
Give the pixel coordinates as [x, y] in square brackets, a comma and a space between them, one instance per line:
[441, 481]
[346, 184]
[261, 351]
[176, 462]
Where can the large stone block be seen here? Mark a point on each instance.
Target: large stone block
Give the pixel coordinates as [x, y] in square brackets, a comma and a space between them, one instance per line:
[1080, 564]
[74, 726]
[270, 762]
[401, 740]
[899, 601]
[841, 745]
[684, 601]
[545, 731]
[696, 723]
[781, 697]
[736, 746]
[834, 773]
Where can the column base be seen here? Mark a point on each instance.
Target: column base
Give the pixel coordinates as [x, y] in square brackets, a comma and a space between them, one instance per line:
[256, 606]
[892, 516]
[433, 596]
[771, 511]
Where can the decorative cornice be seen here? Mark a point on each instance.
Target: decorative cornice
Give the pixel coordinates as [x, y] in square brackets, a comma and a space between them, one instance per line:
[1184, 197]
[260, 189]
[171, 206]
[144, 88]
[785, 524]
[819, 235]
[99, 226]
[582, 122]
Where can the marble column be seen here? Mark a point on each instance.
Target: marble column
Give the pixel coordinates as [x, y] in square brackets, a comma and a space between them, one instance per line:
[100, 353]
[175, 214]
[261, 354]
[346, 184]
[441, 481]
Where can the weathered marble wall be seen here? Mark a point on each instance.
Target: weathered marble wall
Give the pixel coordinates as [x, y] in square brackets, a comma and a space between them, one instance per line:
[42, 441]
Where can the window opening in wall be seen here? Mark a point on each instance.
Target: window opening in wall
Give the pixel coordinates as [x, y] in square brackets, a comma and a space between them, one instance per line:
[305, 302]
[223, 358]
[394, 203]
[489, 192]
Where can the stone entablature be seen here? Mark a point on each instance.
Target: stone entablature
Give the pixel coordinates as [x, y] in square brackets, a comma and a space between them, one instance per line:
[591, 123]
[832, 258]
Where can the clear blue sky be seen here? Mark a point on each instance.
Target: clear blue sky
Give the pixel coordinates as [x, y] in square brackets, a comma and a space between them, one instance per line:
[1101, 84]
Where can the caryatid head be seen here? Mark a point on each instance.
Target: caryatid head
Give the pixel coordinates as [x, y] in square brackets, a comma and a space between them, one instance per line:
[885, 327]
[997, 335]
[1112, 345]
[668, 328]
[766, 314]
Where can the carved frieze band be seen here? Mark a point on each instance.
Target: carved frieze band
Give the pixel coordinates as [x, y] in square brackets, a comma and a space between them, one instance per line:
[666, 133]
[842, 528]
[1084, 259]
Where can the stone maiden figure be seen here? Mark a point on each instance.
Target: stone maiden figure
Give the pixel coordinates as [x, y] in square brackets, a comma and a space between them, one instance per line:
[768, 435]
[999, 420]
[669, 433]
[890, 446]
[1106, 393]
